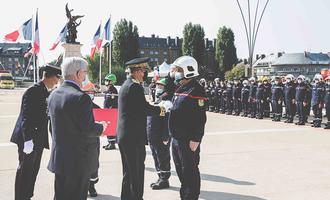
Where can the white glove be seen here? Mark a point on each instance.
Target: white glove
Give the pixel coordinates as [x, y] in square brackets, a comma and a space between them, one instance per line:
[28, 147]
[167, 105]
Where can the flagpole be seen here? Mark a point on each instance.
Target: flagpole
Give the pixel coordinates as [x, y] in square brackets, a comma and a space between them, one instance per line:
[100, 71]
[33, 55]
[110, 46]
[37, 60]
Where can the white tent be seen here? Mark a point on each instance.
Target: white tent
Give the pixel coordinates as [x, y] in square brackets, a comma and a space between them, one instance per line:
[164, 68]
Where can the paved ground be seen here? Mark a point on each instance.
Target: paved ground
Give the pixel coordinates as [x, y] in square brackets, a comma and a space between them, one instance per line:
[241, 159]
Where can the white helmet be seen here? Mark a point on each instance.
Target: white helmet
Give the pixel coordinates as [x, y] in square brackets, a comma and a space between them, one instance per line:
[245, 82]
[189, 66]
[252, 79]
[217, 80]
[318, 77]
[289, 76]
[302, 77]
[202, 80]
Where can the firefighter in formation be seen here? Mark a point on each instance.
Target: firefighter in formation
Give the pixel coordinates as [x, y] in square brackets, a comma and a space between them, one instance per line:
[291, 98]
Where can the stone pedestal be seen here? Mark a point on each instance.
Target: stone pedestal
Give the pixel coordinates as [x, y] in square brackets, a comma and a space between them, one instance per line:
[71, 50]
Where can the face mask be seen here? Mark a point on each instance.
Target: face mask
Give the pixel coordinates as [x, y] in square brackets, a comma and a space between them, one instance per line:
[235, 82]
[316, 81]
[106, 83]
[172, 74]
[259, 84]
[228, 85]
[299, 81]
[178, 77]
[276, 82]
[86, 81]
[244, 84]
[159, 91]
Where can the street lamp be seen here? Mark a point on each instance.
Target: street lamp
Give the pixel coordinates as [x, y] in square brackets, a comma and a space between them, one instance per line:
[251, 32]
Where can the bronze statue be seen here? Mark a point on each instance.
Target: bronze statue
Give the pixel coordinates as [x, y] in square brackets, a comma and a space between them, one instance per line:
[72, 26]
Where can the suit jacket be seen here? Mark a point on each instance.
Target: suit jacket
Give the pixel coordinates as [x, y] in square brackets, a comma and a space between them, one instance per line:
[33, 119]
[132, 113]
[75, 135]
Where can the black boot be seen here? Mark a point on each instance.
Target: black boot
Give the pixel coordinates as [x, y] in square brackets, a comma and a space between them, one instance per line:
[327, 126]
[92, 190]
[110, 146]
[161, 184]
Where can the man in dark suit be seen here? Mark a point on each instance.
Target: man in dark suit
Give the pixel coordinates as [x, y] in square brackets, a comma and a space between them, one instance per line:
[30, 132]
[131, 130]
[75, 134]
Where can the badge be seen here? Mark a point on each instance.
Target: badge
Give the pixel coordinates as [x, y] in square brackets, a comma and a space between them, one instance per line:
[200, 102]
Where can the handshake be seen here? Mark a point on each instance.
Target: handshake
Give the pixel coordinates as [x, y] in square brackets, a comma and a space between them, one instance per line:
[166, 104]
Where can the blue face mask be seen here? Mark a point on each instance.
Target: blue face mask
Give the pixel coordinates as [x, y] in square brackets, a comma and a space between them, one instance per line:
[178, 77]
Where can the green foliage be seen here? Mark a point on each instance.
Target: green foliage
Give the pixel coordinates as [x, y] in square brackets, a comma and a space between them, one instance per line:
[193, 42]
[225, 49]
[125, 43]
[94, 66]
[237, 72]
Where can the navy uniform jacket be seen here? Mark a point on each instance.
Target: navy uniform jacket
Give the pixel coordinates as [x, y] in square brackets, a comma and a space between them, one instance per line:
[289, 91]
[253, 91]
[268, 90]
[277, 92]
[132, 113]
[157, 129]
[261, 92]
[327, 95]
[245, 93]
[188, 116]
[237, 89]
[75, 135]
[229, 92]
[318, 93]
[111, 98]
[302, 91]
[32, 121]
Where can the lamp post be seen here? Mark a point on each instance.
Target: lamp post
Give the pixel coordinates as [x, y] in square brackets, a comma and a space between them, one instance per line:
[251, 32]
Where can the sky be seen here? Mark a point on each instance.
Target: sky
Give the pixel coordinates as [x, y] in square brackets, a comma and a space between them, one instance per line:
[288, 25]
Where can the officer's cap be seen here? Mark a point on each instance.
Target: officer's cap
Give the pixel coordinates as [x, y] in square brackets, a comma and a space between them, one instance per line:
[138, 63]
[51, 70]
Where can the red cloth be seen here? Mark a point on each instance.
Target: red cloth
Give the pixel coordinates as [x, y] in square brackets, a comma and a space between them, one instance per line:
[110, 116]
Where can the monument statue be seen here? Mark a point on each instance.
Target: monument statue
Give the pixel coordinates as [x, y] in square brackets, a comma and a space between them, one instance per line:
[72, 26]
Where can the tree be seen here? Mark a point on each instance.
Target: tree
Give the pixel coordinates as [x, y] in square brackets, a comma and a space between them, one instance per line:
[225, 50]
[125, 42]
[193, 42]
[94, 67]
[237, 72]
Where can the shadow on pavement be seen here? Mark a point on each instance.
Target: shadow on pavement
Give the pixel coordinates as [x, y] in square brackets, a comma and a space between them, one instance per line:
[212, 195]
[104, 197]
[214, 178]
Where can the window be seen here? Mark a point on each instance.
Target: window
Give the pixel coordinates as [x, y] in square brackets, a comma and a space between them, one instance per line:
[151, 52]
[156, 59]
[156, 52]
[141, 52]
[165, 52]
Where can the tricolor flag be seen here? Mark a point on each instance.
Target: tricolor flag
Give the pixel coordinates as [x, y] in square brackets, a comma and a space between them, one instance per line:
[106, 31]
[60, 38]
[96, 43]
[36, 42]
[25, 30]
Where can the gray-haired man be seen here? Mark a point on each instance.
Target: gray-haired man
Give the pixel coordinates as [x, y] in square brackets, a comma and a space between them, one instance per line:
[74, 133]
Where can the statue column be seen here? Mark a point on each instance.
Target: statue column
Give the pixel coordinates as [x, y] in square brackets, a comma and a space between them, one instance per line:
[72, 50]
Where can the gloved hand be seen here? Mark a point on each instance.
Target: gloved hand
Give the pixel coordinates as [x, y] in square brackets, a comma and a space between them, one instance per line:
[28, 147]
[167, 105]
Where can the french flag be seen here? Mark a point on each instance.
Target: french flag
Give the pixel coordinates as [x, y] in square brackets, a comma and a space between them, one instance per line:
[60, 38]
[106, 31]
[96, 42]
[25, 30]
[36, 42]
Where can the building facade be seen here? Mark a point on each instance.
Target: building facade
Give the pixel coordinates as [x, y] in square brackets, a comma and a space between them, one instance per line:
[281, 64]
[15, 58]
[168, 49]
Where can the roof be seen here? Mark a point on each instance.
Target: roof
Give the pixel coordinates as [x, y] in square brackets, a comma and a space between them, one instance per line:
[156, 42]
[305, 58]
[15, 46]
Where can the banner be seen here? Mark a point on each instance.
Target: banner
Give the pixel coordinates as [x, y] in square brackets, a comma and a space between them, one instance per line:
[110, 116]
